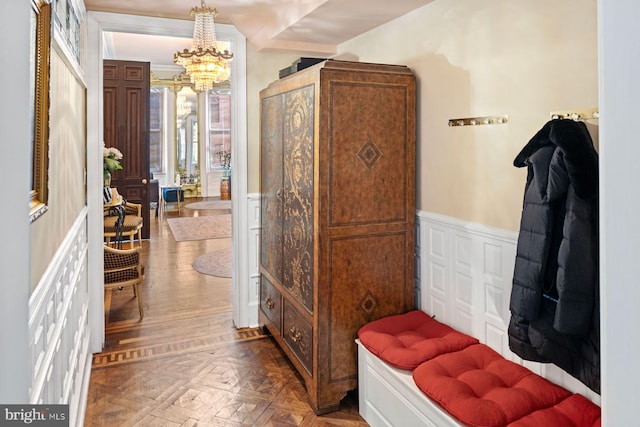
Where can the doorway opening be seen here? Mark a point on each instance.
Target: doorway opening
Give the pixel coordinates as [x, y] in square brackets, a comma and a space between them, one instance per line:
[101, 23]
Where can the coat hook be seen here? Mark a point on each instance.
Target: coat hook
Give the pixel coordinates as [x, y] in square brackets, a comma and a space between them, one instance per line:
[475, 121]
[586, 114]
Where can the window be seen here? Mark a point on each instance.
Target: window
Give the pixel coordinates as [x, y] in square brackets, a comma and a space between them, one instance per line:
[219, 101]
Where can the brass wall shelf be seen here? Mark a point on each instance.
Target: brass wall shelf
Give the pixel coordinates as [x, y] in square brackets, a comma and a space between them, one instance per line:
[475, 121]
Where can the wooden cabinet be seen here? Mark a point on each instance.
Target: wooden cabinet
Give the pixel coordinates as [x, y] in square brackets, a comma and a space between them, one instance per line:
[337, 213]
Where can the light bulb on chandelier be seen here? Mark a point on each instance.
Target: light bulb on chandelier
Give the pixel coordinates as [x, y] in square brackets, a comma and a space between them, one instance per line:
[205, 64]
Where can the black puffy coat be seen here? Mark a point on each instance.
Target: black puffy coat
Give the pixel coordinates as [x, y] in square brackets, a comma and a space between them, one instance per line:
[554, 300]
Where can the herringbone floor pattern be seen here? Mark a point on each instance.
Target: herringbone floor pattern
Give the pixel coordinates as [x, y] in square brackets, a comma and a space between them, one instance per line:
[185, 364]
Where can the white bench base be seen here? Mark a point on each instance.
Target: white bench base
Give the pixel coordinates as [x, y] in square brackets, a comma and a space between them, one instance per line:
[389, 397]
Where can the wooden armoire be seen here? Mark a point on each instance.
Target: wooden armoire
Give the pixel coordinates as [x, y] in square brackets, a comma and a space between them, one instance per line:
[337, 213]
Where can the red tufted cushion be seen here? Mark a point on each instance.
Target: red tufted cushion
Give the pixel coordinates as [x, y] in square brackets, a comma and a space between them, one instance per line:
[574, 411]
[407, 340]
[481, 388]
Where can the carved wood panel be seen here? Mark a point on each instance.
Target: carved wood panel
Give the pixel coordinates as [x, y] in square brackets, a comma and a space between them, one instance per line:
[271, 303]
[134, 73]
[271, 183]
[368, 150]
[109, 112]
[109, 72]
[298, 334]
[363, 286]
[134, 133]
[297, 273]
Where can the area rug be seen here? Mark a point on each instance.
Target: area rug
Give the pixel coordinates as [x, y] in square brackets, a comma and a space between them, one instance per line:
[200, 227]
[210, 204]
[216, 263]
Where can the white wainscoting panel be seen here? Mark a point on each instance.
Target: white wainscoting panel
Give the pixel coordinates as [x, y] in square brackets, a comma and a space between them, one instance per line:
[416, 269]
[58, 327]
[253, 242]
[465, 272]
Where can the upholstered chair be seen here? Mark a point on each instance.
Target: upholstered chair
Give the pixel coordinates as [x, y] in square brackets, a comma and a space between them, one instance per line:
[132, 224]
[172, 196]
[122, 268]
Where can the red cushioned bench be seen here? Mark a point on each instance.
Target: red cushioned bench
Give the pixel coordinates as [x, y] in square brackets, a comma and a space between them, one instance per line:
[464, 382]
[407, 340]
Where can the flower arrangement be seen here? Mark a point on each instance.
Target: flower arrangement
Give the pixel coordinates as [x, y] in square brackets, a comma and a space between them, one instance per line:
[110, 162]
[224, 157]
[111, 159]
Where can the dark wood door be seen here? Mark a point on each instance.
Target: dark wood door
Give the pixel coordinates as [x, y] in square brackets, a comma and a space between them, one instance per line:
[126, 127]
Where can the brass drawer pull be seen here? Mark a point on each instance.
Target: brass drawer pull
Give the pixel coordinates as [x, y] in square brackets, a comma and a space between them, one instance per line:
[295, 334]
[269, 303]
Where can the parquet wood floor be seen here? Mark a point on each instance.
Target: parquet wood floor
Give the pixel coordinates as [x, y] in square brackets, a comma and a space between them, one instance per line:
[185, 364]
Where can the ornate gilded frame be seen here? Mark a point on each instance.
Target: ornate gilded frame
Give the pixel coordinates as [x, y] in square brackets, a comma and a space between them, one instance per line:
[41, 44]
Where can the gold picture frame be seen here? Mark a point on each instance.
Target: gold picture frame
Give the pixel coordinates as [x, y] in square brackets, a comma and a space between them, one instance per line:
[40, 54]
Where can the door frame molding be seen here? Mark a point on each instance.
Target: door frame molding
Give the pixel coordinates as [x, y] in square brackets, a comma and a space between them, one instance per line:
[97, 24]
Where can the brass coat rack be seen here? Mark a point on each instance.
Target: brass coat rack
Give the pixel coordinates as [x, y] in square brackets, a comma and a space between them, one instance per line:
[587, 114]
[475, 121]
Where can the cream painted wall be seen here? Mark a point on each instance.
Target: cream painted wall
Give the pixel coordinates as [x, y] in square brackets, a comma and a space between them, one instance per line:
[67, 161]
[471, 58]
[262, 69]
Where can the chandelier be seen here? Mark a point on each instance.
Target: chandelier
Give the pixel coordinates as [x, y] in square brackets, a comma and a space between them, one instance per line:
[204, 63]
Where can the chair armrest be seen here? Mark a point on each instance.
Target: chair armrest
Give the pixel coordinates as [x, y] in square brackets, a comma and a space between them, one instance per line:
[133, 208]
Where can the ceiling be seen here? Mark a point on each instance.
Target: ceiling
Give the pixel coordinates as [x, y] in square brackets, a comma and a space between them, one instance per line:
[310, 26]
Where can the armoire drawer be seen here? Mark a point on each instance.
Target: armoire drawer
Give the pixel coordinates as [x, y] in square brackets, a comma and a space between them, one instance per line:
[298, 334]
[271, 303]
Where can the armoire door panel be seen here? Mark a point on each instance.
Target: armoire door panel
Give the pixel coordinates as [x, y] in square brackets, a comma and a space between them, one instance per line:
[271, 185]
[368, 150]
[365, 274]
[297, 229]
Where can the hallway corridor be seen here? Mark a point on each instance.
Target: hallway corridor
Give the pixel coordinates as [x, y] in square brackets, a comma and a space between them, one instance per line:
[185, 364]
